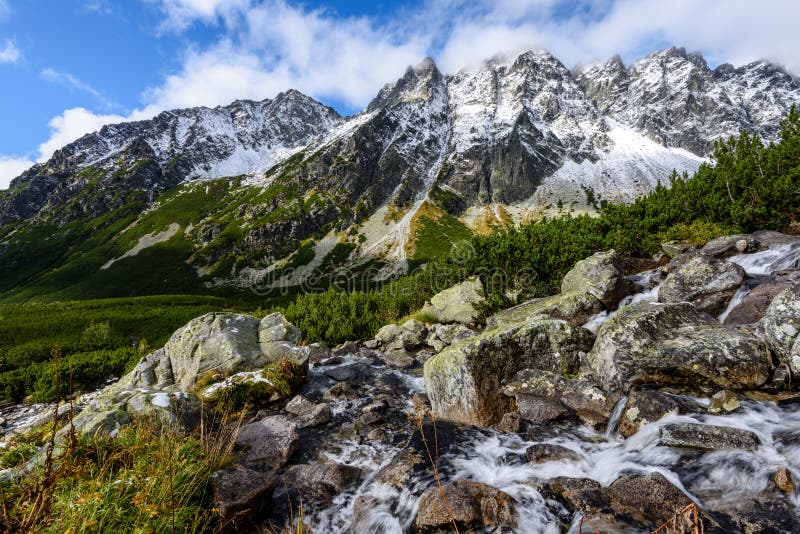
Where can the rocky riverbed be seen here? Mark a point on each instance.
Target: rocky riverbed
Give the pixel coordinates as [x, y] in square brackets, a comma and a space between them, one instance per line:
[627, 397]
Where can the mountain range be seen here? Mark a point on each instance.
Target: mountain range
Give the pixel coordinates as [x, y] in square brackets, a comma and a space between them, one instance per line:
[262, 194]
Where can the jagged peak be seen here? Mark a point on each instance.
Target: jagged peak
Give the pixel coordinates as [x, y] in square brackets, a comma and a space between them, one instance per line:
[420, 79]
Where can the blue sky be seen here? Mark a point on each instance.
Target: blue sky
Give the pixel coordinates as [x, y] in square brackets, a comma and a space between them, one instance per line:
[69, 66]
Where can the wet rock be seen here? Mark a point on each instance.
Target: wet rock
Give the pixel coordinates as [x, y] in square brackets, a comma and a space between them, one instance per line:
[463, 381]
[548, 452]
[318, 352]
[267, 443]
[377, 434]
[767, 239]
[347, 348]
[399, 471]
[770, 511]
[648, 499]
[783, 480]
[579, 494]
[601, 276]
[309, 413]
[398, 359]
[730, 245]
[576, 308]
[458, 304]
[706, 282]
[754, 305]
[674, 344]
[443, 335]
[781, 326]
[511, 423]
[724, 402]
[646, 406]
[706, 437]
[238, 494]
[340, 391]
[544, 396]
[677, 248]
[338, 477]
[342, 373]
[473, 505]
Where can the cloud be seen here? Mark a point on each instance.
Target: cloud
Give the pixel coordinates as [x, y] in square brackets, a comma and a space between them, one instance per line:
[5, 9]
[75, 84]
[9, 53]
[11, 167]
[180, 14]
[71, 125]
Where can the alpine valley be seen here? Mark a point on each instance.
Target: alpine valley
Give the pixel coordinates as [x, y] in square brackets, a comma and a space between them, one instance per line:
[262, 194]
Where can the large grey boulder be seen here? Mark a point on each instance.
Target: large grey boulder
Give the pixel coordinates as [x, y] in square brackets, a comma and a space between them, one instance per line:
[730, 245]
[754, 305]
[463, 381]
[238, 493]
[267, 443]
[674, 344]
[543, 396]
[781, 326]
[458, 304]
[443, 335]
[599, 275]
[473, 506]
[706, 282]
[706, 437]
[223, 343]
[575, 307]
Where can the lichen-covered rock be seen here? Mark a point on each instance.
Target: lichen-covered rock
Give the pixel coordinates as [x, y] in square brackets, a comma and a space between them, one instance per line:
[463, 381]
[458, 304]
[647, 406]
[309, 413]
[781, 326]
[724, 402]
[649, 499]
[226, 343]
[540, 453]
[599, 275]
[677, 248]
[115, 407]
[473, 506]
[674, 344]
[543, 396]
[706, 282]
[443, 335]
[408, 336]
[730, 245]
[706, 437]
[576, 308]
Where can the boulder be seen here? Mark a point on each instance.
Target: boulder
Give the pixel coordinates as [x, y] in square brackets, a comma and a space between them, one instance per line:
[754, 305]
[674, 344]
[409, 336]
[225, 343]
[766, 239]
[730, 245]
[238, 494]
[706, 282]
[458, 304]
[601, 276]
[706, 437]
[648, 499]
[543, 396]
[443, 335]
[579, 494]
[473, 506]
[677, 248]
[540, 453]
[338, 477]
[308, 413]
[267, 443]
[576, 308]
[647, 406]
[398, 359]
[399, 472]
[463, 381]
[781, 326]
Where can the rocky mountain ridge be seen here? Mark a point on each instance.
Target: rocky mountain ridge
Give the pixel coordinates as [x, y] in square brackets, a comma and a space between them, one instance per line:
[433, 157]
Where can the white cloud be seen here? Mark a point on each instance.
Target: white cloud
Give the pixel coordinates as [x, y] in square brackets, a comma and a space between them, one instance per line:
[10, 168]
[9, 53]
[182, 13]
[71, 125]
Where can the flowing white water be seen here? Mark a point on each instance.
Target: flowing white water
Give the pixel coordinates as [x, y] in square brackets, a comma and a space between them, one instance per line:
[737, 299]
[772, 260]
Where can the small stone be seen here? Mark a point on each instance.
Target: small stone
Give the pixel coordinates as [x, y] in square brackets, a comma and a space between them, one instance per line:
[725, 401]
[547, 452]
[398, 359]
[377, 434]
[340, 391]
[783, 479]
